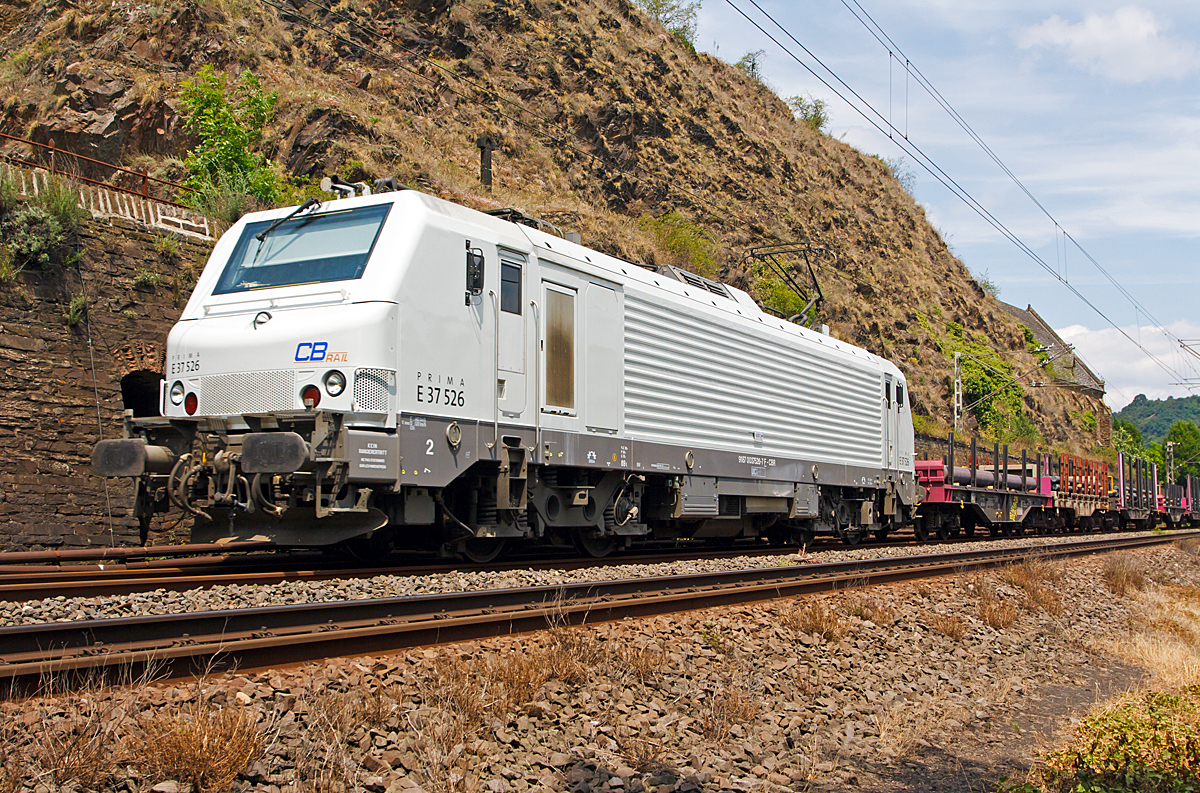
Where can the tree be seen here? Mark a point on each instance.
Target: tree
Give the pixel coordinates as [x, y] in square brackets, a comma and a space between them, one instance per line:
[228, 119]
[811, 111]
[749, 63]
[1186, 450]
[677, 16]
[1126, 437]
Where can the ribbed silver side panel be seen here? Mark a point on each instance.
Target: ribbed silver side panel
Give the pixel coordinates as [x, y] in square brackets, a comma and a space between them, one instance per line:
[373, 389]
[693, 383]
[248, 392]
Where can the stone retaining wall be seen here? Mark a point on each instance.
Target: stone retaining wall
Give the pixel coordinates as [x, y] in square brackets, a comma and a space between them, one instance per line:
[60, 384]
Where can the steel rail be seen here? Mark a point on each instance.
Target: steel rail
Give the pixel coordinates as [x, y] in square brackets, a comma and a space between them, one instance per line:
[30, 582]
[181, 644]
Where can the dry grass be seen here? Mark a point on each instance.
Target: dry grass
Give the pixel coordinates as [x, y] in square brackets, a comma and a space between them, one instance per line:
[642, 662]
[326, 763]
[902, 724]
[457, 686]
[641, 754]
[14, 765]
[82, 744]
[870, 608]
[572, 654]
[1034, 577]
[1169, 644]
[1190, 547]
[732, 703]
[1124, 573]
[204, 745]
[948, 625]
[816, 619]
[991, 607]
[519, 676]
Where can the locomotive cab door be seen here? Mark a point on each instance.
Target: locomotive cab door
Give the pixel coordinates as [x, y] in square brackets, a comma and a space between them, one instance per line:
[891, 428]
[510, 335]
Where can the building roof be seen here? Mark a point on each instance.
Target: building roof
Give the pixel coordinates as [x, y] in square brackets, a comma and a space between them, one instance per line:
[1069, 369]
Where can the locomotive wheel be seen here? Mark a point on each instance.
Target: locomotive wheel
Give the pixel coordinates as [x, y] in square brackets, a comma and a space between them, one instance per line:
[482, 550]
[595, 547]
[943, 531]
[853, 536]
[881, 534]
[969, 530]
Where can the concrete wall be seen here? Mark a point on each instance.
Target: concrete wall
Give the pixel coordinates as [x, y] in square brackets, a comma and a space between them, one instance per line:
[60, 385]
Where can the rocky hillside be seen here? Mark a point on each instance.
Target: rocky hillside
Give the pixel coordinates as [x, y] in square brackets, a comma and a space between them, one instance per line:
[605, 123]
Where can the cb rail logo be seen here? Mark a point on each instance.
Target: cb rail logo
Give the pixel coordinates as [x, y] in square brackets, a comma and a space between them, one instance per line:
[317, 352]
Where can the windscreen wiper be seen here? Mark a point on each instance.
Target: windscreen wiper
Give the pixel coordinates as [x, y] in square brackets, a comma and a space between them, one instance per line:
[309, 203]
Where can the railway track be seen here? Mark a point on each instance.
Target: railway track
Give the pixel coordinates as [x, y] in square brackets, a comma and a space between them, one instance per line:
[181, 644]
[26, 582]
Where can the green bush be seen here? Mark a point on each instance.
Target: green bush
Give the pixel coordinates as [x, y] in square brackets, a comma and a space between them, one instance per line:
[677, 16]
[146, 279]
[811, 111]
[683, 244]
[226, 197]
[9, 196]
[749, 63]
[775, 294]
[1149, 741]
[9, 268]
[991, 392]
[59, 197]
[31, 235]
[76, 311]
[228, 118]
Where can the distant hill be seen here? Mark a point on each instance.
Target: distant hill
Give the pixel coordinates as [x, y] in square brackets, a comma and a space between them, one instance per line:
[1153, 417]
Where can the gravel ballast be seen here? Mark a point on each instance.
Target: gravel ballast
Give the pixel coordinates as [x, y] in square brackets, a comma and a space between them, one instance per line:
[66, 609]
[913, 687]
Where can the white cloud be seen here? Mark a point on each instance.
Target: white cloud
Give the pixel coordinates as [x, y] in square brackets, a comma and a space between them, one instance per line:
[1126, 45]
[1126, 370]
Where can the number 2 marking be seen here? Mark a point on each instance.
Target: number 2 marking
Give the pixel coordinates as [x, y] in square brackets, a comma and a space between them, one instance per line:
[429, 445]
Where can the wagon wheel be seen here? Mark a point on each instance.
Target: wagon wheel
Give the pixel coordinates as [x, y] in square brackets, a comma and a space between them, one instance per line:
[921, 530]
[482, 550]
[590, 545]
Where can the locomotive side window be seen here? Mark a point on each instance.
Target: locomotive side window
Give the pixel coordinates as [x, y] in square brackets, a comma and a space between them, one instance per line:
[560, 349]
[899, 396]
[887, 394]
[330, 246]
[510, 288]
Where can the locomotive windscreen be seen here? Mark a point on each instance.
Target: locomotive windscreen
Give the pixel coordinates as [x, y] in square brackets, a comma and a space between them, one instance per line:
[330, 246]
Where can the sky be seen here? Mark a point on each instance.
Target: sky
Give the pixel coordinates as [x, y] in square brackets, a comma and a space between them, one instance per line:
[1092, 106]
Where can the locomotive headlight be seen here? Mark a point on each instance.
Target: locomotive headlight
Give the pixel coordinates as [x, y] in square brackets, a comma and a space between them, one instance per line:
[177, 393]
[335, 382]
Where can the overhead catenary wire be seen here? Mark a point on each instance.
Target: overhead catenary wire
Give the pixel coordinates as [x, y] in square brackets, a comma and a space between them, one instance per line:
[563, 132]
[884, 127]
[881, 36]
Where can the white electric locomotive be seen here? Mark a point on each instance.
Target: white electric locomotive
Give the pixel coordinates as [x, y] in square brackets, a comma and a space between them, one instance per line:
[399, 369]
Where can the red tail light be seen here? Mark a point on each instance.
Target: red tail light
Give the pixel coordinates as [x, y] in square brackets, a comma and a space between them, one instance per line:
[311, 394]
[190, 403]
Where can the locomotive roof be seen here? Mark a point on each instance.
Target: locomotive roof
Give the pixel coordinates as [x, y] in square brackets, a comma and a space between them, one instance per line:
[524, 239]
